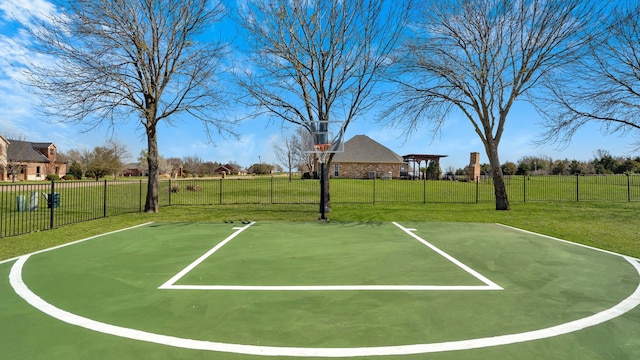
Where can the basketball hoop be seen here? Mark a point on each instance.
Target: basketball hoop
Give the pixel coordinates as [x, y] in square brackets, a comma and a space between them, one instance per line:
[324, 138]
[322, 151]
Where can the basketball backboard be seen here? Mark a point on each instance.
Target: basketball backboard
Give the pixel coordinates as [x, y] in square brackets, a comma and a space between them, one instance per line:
[325, 136]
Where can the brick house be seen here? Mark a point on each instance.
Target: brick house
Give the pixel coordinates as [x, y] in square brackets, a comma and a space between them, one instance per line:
[228, 169]
[4, 162]
[33, 160]
[364, 158]
[134, 169]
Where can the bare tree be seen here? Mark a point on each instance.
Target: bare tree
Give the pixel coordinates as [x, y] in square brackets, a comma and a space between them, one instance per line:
[121, 152]
[479, 57]
[192, 164]
[315, 61]
[165, 166]
[114, 59]
[603, 87]
[290, 152]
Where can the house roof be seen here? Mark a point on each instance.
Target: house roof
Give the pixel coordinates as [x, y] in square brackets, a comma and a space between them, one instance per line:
[363, 149]
[42, 145]
[132, 166]
[25, 151]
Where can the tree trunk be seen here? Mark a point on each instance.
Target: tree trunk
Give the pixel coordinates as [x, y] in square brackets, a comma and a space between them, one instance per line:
[151, 204]
[499, 188]
[325, 198]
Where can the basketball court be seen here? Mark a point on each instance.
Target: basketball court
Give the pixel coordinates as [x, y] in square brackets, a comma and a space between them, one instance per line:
[247, 290]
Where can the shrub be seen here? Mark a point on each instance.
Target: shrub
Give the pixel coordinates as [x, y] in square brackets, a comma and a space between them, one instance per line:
[174, 188]
[194, 188]
[69, 177]
[75, 170]
[53, 177]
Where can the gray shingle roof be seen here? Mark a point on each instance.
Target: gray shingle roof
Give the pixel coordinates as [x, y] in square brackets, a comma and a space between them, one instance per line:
[24, 151]
[362, 149]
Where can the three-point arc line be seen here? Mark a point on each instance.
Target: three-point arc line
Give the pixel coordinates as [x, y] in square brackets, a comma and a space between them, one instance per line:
[16, 281]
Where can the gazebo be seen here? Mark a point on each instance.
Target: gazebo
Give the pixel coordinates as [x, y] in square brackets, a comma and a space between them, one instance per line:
[419, 158]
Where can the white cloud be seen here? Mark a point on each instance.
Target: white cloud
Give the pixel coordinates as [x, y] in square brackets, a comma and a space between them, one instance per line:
[23, 11]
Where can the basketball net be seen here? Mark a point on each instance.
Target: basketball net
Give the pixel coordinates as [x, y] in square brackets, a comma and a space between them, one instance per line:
[322, 150]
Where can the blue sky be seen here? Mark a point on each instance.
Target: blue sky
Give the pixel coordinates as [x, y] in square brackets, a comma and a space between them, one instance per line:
[19, 119]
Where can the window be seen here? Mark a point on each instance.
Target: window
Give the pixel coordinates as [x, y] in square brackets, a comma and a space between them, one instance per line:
[336, 170]
[38, 171]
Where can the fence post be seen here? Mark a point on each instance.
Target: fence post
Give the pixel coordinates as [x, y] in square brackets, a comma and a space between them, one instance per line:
[374, 189]
[220, 193]
[271, 190]
[424, 190]
[104, 201]
[577, 188]
[169, 191]
[628, 187]
[50, 204]
[477, 189]
[140, 197]
[524, 188]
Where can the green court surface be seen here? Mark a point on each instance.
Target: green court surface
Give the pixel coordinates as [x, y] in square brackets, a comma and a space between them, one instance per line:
[288, 290]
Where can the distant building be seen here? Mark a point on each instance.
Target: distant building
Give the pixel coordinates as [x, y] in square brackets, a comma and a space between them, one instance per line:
[32, 160]
[4, 162]
[228, 169]
[134, 169]
[364, 158]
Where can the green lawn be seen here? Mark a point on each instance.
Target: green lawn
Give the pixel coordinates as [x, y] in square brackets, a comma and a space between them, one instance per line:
[606, 225]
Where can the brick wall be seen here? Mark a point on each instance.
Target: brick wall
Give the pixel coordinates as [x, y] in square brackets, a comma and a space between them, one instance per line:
[362, 170]
[31, 171]
[3, 160]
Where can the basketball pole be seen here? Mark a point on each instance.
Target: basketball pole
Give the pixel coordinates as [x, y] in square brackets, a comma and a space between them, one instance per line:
[322, 195]
[323, 147]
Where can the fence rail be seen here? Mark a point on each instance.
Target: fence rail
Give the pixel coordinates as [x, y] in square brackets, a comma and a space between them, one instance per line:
[32, 207]
[26, 208]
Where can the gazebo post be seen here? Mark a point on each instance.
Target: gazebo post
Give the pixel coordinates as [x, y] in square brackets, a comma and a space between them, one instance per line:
[417, 158]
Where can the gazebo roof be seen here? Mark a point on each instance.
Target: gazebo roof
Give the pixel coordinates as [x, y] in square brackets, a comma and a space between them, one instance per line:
[423, 157]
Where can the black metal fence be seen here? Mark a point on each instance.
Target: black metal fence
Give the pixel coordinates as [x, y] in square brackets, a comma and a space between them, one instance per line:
[277, 190]
[26, 208]
[32, 207]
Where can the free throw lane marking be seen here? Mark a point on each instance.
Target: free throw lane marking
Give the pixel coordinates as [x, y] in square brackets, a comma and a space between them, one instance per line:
[185, 271]
[488, 284]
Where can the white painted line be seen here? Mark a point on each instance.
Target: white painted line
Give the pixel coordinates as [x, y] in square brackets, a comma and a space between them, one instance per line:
[464, 267]
[170, 284]
[198, 261]
[15, 278]
[333, 287]
[564, 241]
[75, 242]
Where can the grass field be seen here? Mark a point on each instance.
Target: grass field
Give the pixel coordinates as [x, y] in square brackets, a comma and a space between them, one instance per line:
[83, 201]
[208, 288]
[606, 225]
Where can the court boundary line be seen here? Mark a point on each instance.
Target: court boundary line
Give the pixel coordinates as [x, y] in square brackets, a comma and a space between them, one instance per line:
[75, 242]
[488, 284]
[22, 290]
[565, 241]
